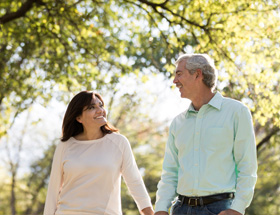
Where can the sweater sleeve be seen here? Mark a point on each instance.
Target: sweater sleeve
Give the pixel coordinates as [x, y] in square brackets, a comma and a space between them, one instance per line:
[55, 181]
[133, 179]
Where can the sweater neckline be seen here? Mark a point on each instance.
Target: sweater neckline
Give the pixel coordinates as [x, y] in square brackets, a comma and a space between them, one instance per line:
[73, 139]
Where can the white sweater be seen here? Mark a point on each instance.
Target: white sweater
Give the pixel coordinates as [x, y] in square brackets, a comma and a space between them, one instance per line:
[86, 177]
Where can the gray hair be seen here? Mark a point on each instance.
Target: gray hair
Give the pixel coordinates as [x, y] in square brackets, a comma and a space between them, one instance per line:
[202, 62]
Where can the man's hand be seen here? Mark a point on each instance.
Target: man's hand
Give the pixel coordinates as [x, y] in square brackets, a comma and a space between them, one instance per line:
[147, 211]
[161, 213]
[229, 212]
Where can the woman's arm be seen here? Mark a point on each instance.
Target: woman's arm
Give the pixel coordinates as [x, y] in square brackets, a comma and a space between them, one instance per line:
[147, 211]
[55, 182]
[134, 181]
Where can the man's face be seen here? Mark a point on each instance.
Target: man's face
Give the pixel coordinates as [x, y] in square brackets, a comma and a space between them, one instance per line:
[184, 80]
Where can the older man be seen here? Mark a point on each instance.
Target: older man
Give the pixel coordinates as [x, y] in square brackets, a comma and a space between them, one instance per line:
[210, 162]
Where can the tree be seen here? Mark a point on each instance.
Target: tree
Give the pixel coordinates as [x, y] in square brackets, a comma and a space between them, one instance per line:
[76, 43]
[50, 47]
[36, 182]
[266, 198]
[14, 150]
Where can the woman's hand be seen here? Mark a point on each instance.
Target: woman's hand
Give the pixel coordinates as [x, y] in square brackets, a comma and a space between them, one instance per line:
[147, 211]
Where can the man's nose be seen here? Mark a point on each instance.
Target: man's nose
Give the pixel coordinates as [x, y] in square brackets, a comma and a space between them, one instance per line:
[175, 80]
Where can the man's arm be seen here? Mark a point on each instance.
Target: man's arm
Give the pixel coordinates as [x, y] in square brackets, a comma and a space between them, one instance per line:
[245, 160]
[169, 179]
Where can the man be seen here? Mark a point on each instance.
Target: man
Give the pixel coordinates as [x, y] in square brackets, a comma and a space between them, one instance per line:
[210, 159]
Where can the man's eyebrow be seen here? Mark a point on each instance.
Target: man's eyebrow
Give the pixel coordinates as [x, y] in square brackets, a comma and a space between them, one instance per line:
[177, 71]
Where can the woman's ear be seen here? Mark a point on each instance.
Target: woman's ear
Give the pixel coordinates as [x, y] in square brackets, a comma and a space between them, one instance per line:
[78, 118]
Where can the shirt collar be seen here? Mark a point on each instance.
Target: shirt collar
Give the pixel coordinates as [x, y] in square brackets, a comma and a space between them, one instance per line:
[215, 102]
[191, 108]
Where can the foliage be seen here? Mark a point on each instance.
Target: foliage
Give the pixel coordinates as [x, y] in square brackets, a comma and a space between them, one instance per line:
[49, 48]
[148, 143]
[36, 182]
[82, 43]
[266, 198]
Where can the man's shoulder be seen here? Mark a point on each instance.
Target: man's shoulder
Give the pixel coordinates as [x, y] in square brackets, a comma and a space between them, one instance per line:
[179, 118]
[233, 103]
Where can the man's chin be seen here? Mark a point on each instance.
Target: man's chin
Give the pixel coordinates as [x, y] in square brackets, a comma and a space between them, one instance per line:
[183, 96]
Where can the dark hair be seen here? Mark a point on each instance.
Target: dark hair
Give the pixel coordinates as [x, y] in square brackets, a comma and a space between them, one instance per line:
[70, 126]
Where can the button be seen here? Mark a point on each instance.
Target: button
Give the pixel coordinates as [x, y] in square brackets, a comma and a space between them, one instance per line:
[196, 149]
[196, 164]
[197, 132]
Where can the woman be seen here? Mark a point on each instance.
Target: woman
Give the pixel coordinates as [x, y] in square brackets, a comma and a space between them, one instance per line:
[88, 164]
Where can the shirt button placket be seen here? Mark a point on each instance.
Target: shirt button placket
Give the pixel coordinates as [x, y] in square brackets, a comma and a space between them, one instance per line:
[196, 148]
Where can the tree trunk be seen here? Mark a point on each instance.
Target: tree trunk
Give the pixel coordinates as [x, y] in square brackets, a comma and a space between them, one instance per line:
[13, 195]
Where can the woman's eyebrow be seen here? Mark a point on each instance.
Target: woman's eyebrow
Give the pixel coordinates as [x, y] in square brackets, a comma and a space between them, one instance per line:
[92, 104]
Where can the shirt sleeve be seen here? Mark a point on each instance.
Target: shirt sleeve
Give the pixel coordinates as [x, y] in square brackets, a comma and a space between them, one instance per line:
[245, 160]
[55, 182]
[133, 178]
[169, 179]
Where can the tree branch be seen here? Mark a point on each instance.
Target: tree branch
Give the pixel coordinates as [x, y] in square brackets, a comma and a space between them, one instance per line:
[154, 4]
[163, 6]
[267, 138]
[20, 12]
[153, 20]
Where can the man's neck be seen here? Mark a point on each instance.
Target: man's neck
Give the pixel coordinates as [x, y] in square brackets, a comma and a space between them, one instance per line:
[203, 97]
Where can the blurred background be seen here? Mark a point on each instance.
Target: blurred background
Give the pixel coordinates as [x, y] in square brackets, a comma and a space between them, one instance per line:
[125, 50]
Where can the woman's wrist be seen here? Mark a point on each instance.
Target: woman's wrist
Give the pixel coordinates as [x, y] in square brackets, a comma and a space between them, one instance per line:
[147, 211]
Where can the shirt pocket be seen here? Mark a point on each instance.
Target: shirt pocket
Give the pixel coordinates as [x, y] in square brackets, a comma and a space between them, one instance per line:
[218, 138]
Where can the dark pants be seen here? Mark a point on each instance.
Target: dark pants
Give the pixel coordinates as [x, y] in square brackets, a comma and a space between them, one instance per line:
[211, 209]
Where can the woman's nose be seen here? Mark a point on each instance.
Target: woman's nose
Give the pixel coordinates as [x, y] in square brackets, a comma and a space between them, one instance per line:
[99, 109]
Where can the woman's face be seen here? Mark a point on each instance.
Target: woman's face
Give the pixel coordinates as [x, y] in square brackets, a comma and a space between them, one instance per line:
[93, 116]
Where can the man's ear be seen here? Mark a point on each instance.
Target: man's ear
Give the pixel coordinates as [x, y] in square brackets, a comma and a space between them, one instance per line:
[199, 73]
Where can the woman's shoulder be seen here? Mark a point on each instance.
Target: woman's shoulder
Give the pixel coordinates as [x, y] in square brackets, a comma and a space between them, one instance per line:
[117, 137]
[119, 140]
[64, 144]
